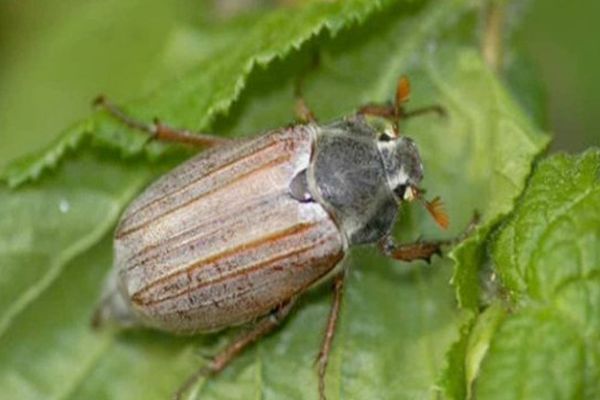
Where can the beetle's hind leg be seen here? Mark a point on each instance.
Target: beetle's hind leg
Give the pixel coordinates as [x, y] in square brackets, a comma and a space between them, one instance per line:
[302, 111]
[224, 357]
[334, 313]
[157, 130]
[114, 307]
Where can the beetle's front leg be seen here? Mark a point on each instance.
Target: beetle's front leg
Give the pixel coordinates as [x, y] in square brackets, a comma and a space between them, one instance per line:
[334, 313]
[159, 131]
[223, 358]
[423, 250]
[420, 250]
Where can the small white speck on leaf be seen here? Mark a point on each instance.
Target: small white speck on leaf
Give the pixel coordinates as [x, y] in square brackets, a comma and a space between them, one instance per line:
[64, 206]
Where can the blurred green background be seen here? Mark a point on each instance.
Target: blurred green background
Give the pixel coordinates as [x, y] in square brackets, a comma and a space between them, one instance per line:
[55, 56]
[561, 38]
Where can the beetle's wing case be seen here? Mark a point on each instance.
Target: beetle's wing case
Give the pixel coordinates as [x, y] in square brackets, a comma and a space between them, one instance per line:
[219, 240]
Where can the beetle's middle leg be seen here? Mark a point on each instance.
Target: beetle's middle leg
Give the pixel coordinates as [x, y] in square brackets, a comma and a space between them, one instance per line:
[224, 357]
[159, 131]
[395, 111]
[334, 313]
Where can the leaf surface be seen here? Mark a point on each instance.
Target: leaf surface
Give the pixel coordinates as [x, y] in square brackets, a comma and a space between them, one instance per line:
[547, 256]
[547, 259]
[398, 320]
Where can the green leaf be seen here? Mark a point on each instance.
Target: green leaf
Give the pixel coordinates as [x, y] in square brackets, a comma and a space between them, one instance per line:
[397, 321]
[211, 86]
[538, 353]
[71, 51]
[465, 356]
[513, 141]
[547, 258]
[561, 198]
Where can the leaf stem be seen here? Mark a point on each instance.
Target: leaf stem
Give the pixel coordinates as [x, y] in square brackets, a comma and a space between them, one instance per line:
[491, 40]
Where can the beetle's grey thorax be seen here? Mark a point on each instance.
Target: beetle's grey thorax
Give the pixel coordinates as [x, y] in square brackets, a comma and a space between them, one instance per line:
[347, 177]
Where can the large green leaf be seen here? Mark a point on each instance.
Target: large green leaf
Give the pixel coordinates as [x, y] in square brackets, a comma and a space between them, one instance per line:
[212, 85]
[547, 258]
[514, 140]
[397, 321]
[58, 54]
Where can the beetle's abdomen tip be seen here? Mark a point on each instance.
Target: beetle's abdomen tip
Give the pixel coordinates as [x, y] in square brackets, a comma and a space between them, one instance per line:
[103, 316]
[96, 321]
[115, 311]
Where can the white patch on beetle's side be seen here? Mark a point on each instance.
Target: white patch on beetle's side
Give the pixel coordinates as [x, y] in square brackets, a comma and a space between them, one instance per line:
[400, 177]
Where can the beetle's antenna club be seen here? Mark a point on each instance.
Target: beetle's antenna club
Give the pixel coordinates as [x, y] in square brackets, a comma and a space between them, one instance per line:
[402, 93]
[435, 208]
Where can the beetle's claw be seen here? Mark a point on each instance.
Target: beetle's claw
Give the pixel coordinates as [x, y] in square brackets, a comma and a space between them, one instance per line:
[475, 220]
[96, 320]
[205, 354]
[99, 101]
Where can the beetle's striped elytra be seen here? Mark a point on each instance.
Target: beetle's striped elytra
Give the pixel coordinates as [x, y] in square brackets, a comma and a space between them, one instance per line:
[226, 246]
[238, 232]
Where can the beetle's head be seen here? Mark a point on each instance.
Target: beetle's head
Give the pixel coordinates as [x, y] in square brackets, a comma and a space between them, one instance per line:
[404, 171]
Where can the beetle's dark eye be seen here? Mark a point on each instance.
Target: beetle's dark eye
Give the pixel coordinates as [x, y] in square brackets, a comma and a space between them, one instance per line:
[400, 190]
[385, 137]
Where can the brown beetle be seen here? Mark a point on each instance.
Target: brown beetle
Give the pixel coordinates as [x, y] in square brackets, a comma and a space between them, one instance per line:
[243, 229]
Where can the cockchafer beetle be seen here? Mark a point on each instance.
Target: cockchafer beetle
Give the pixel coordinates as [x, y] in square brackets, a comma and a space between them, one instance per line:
[240, 231]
